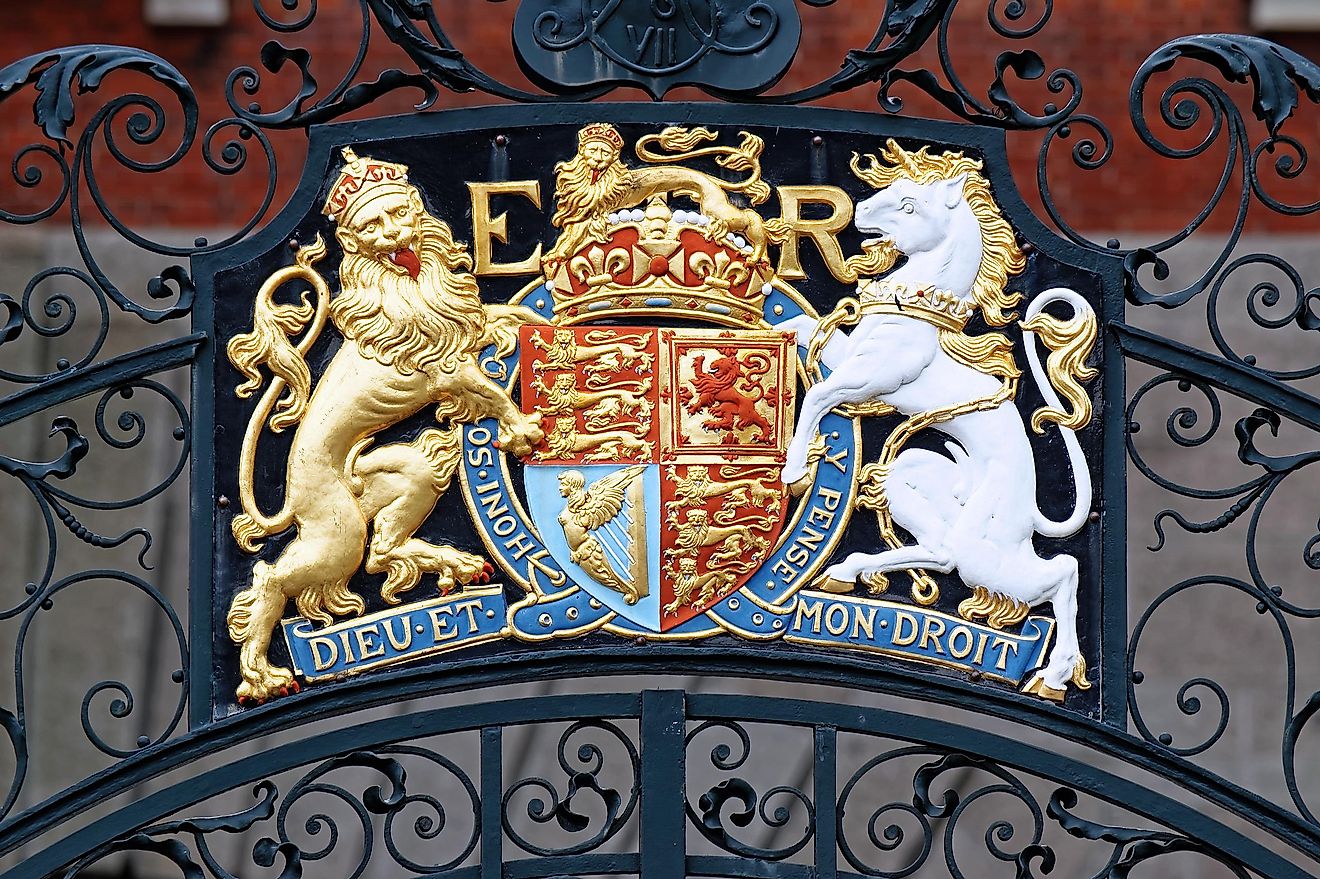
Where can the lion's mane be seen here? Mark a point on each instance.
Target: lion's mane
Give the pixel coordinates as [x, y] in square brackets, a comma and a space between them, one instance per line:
[435, 321]
[578, 196]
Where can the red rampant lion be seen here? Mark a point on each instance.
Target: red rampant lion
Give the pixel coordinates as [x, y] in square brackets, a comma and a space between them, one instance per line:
[729, 390]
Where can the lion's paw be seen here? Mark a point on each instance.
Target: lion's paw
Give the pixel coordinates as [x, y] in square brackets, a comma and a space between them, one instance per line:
[459, 568]
[522, 436]
[276, 682]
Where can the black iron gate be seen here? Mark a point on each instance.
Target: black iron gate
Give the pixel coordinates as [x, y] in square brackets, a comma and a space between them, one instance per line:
[1012, 740]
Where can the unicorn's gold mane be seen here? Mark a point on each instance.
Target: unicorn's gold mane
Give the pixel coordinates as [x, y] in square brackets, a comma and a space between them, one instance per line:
[1000, 257]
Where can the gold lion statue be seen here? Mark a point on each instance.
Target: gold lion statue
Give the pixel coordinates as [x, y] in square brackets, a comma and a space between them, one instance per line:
[413, 328]
[595, 182]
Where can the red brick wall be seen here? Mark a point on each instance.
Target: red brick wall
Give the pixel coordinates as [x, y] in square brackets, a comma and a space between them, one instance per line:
[1104, 41]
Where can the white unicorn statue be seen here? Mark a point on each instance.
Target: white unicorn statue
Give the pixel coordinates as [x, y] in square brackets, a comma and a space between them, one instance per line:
[975, 510]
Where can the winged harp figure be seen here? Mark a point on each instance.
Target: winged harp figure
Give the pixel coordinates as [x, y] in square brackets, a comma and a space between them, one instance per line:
[605, 528]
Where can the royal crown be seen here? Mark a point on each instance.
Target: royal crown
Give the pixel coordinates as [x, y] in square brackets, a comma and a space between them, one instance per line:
[603, 132]
[663, 262]
[361, 179]
[939, 307]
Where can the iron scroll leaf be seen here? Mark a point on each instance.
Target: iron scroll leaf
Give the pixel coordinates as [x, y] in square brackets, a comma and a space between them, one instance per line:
[1278, 74]
[731, 46]
[649, 336]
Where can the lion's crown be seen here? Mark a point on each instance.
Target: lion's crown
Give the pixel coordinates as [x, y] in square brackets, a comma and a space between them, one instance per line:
[362, 178]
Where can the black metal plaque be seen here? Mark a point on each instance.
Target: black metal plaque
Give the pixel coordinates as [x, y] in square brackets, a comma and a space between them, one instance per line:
[726, 45]
[657, 437]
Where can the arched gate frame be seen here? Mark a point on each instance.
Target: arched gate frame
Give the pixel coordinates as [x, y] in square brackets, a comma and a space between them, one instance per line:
[891, 791]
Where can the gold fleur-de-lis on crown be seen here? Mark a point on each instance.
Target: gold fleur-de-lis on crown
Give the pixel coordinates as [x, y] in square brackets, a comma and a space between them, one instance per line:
[719, 270]
[596, 267]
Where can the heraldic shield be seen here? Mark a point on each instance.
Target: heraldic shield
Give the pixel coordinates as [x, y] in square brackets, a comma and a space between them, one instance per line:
[658, 485]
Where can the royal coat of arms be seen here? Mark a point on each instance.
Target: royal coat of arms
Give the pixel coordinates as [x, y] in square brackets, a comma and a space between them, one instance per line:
[682, 413]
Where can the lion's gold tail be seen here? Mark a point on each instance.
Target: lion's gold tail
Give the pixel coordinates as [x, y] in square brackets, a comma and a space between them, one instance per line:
[239, 619]
[269, 345]
[680, 144]
[747, 157]
[250, 531]
[778, 230]
[324, 601]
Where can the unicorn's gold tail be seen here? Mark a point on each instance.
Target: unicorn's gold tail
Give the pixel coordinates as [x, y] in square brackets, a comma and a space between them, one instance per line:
[1070, 342]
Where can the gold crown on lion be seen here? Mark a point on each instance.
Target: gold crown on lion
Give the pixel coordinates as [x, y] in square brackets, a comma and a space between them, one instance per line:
[361, 179]
[603, 132]
[939, 307]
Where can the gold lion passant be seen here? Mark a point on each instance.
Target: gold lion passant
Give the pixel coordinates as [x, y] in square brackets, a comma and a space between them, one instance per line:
[596, 181]
[413, 328]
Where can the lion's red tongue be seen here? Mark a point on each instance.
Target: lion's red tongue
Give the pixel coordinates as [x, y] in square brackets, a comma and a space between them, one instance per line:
[407, 260]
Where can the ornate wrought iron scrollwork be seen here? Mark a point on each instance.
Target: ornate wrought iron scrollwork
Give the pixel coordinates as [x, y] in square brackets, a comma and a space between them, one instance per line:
[54, 505]
[572, 51]
[584, 780]
[1206, 115]
[52, 308]
[975, 811]
[946, 790]
[1179, 114]
[949, 807]
[346, 95]
[388, 800]
[162, 839]
[1130, 847]
[1278, 75]
[775, 808]
[1250, 499]
[58, 504]
[52, 76]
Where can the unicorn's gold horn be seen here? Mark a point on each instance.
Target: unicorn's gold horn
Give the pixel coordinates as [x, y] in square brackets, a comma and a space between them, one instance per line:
[900, 156]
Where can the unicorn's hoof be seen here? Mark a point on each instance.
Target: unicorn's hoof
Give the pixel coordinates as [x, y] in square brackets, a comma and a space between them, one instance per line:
[876, 583]
[1037, 687]
[826, 583]
[799, 486]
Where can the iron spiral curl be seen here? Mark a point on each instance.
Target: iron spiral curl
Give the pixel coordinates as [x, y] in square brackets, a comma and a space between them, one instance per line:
[713, 815]
[583, 773]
